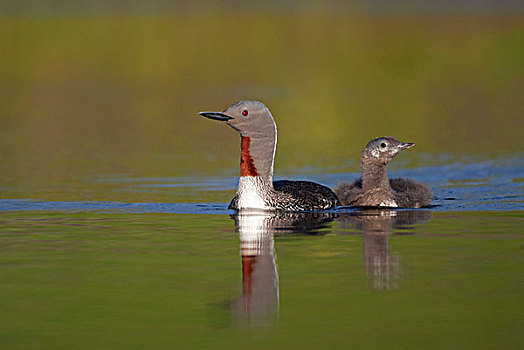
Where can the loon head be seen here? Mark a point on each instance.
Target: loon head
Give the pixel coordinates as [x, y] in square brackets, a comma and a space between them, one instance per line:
[249, 118]
[255, 124]
[383, 149]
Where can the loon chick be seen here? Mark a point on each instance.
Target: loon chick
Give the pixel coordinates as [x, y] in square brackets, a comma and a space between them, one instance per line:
[256, 189]
[374, 189]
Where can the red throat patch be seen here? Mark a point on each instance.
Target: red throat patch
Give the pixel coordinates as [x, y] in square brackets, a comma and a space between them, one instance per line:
[247, 167]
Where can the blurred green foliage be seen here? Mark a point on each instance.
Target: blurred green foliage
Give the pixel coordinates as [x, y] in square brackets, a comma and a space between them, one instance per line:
[83, 96]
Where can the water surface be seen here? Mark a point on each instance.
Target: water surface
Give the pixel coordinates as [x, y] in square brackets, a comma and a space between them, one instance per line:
[215, 281]
[194, 274]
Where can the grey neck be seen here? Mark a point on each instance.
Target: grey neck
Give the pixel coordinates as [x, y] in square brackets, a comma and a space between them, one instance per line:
[261, 148]
[374, 175]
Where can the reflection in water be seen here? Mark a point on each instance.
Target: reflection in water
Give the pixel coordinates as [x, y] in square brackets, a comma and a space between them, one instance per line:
[259, 302]
[382, 267]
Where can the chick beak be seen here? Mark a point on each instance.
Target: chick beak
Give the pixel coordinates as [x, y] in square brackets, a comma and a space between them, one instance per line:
[406, 145]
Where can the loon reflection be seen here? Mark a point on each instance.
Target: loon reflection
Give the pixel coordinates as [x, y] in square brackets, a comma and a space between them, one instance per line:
[382, 267]
[259, 303]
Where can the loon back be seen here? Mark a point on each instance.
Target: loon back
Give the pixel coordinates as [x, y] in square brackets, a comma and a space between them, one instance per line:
[410, 194]
[296, 196]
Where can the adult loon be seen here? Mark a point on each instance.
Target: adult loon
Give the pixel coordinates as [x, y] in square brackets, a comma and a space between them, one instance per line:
[374, 189]
[256, 189]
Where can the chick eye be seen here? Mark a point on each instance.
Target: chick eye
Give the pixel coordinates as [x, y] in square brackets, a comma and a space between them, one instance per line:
[244, 112]
[383, 145]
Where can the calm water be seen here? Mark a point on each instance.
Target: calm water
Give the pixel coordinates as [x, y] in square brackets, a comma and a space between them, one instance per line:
[114, 232]
[92, 274]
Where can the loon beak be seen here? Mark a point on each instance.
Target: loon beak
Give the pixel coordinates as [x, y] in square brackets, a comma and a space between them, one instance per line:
[406, 145]
[216, 116]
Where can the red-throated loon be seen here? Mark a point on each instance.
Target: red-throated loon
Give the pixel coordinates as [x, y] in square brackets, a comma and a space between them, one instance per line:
[374, 189]
[256, 189]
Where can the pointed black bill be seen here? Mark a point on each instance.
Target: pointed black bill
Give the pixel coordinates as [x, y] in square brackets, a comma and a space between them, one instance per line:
[216, 115]
[406, 145]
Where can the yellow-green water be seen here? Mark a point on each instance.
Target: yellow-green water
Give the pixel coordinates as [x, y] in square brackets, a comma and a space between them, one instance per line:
[114, 231]
[89, 281]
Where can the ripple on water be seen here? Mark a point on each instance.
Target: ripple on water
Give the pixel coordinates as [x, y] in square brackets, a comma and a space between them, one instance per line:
[479, 186]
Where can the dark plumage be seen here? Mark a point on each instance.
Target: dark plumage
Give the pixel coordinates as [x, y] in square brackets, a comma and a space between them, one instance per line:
[309, 194]
[296, 196]
[374, 189]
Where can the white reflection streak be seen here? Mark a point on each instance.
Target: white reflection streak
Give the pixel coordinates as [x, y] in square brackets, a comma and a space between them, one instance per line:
[260, 297]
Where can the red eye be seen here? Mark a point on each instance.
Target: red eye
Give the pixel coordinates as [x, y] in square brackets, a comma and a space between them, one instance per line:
[244, 112]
